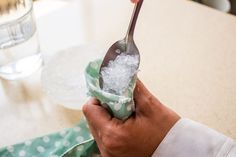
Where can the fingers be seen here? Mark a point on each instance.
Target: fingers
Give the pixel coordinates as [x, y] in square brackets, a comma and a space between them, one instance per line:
[96, 115]
[135, 1]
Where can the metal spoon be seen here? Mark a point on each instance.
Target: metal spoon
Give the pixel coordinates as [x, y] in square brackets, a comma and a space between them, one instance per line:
[125, 45]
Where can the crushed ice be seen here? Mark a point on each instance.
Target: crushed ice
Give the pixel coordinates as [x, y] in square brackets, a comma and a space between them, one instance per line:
[118, 74]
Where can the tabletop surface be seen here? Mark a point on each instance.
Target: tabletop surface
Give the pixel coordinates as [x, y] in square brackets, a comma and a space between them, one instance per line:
[188, 60]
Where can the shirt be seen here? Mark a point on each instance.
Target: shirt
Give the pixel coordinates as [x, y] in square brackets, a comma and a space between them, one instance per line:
[191, 139]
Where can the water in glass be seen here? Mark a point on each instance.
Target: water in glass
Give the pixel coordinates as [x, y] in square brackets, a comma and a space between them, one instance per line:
[19, 46]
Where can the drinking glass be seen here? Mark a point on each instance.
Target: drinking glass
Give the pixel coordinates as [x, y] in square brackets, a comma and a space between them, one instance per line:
[20, 54]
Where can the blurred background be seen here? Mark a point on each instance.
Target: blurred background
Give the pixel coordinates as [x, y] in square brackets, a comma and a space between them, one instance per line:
[228, 6]
[222, 5]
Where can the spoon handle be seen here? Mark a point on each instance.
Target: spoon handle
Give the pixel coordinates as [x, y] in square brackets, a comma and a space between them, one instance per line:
[130, 32]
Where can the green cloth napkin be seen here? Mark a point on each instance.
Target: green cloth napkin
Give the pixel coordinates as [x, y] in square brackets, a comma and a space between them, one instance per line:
[76, 141]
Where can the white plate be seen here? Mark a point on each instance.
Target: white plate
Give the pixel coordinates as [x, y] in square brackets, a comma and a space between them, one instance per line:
[63, 78]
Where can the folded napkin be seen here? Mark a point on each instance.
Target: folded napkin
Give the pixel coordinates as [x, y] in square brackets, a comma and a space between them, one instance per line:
[76, 141]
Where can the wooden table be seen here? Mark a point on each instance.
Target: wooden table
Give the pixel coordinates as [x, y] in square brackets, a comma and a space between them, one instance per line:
[188, 61]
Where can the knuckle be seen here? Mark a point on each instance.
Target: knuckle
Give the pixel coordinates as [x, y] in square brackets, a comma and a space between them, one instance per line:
[112, 139]
[112, 142]
[85, 109]
[151, 99]
[109, 143]
[148, 100]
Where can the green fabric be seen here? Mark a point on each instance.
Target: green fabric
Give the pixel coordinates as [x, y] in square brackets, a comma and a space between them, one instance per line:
[120, 106]
[76, 141]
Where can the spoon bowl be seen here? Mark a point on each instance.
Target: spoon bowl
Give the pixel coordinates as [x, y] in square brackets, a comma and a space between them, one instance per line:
[117, 48]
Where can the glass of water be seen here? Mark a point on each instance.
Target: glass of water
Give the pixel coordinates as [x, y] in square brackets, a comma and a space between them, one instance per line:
[20, 54]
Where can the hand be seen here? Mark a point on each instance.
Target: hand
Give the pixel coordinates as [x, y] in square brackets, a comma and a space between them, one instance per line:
[138, 136]
[134, 1]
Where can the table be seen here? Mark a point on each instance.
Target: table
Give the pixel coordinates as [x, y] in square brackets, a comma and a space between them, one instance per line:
[188, 61]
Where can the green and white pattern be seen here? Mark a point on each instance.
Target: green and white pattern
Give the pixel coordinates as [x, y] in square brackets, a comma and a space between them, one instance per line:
[120, 106]
[76, 141]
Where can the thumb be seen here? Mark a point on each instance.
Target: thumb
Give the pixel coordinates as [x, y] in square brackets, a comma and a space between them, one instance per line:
[97, 118]
[96, 115]
[135, 1]
[144, 100]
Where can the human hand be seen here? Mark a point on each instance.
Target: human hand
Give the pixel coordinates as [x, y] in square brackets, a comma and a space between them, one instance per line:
[134, 1]
[138, 136]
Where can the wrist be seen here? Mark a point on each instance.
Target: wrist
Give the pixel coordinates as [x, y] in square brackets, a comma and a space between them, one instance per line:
[165, 119]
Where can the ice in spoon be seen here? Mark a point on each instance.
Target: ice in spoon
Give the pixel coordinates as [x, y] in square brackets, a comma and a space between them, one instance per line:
[119, 73]
[125, 47]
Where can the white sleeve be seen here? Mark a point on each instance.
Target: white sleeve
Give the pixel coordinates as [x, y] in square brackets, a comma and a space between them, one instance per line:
[188, 138]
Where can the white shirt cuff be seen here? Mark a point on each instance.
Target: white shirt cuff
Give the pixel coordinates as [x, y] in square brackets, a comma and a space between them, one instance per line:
[188, 138]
